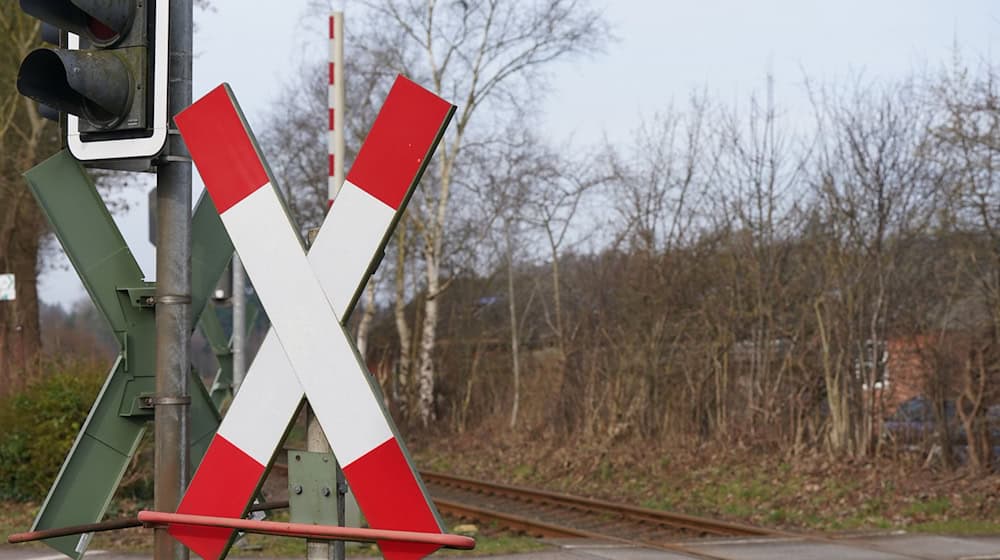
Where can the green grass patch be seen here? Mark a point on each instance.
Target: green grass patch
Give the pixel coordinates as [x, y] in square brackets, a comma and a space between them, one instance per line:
[523, 471]
[665, 502]
[861, 522]
[511, 544]
[17, 518]
[935, 507]
[738, 509]
[254, 546]
[957, 527]
[777, 516]
[271, 546]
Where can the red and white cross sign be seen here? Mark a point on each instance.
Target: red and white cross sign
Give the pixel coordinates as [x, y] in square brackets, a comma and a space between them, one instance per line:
[307, 351]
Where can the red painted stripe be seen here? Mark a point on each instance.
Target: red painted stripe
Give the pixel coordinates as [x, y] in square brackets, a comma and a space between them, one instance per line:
[391, 498]
[225, 480]
[221, 147]
[331, 74]
[332, 27]
[332, 162]
[404, 132]
[332, 121]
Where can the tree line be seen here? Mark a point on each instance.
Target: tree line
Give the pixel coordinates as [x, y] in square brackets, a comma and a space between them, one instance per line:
[732, 272]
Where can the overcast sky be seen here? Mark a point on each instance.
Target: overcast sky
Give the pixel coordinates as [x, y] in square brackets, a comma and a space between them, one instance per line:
[664, 51]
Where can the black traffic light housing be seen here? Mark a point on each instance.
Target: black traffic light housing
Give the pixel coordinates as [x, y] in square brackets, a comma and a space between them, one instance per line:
[108, 75]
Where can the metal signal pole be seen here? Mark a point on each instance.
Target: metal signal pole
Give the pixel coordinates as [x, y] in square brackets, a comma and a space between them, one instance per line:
[239, 295]
[173, 290]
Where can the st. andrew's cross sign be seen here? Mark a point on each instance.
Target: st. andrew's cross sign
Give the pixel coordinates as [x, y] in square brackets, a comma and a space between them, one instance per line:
[308, 353]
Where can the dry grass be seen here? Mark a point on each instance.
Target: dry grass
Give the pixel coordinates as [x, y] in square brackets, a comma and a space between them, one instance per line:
[759, 487]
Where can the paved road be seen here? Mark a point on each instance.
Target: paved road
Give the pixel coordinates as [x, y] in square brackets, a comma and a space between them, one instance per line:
[884, 547]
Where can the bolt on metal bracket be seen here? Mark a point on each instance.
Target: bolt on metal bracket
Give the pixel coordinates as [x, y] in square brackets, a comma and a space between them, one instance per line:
[311, 478]
[143, 296]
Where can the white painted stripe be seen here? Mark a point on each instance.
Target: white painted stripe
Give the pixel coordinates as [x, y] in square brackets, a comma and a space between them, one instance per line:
[316, 345]
[350, 237]
[269, 395]
[341, 253]
[330, 92]
[331, 135]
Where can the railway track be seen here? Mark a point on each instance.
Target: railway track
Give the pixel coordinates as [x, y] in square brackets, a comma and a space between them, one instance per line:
[541, 513]
[550, 514]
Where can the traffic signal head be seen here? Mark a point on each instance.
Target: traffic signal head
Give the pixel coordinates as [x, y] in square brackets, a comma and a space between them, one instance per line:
[108, 75]
[95, 86]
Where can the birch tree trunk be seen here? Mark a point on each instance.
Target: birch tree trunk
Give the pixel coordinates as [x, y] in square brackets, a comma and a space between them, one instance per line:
[515, 357]
[402, 384]
[428, 334]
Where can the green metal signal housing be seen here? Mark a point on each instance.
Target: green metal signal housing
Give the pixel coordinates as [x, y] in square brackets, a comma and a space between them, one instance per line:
[112, 431]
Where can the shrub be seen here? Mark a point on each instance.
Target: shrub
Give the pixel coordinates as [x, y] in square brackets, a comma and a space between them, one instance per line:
[39, 424]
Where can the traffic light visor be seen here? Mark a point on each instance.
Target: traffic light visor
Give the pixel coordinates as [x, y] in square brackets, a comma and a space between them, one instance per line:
[95, 86]
[102, 22]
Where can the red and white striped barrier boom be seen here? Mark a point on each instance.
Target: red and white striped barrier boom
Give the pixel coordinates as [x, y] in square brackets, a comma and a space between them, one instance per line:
[307, 530]
[307, 351]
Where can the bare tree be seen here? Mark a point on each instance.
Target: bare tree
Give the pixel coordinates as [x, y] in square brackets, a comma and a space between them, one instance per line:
[511, 170]
[482, 55]
[660, 180]
[295, 133]
[657, 185]
[25, 138]
[758, 175]
[969, 132]
[875, 185]
[553, 209]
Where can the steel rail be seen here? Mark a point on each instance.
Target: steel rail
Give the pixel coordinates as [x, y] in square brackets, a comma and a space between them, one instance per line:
[542, 529]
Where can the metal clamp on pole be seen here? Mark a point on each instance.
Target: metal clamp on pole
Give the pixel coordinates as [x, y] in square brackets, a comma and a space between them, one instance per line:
[170, 401]
[173, 151]
[173, 299]
[172, 159]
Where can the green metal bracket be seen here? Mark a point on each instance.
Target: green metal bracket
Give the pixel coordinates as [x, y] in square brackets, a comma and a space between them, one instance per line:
[312, 487]
[312, 490]
[142, 297]
[112, 431]
[222, 386]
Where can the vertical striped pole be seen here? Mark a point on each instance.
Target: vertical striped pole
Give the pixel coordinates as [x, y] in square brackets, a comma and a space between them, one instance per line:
[336, 102]
[315, 437]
